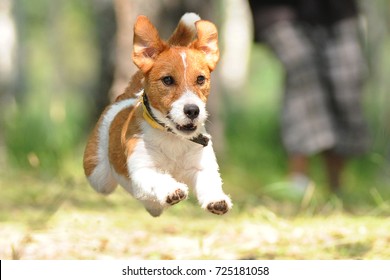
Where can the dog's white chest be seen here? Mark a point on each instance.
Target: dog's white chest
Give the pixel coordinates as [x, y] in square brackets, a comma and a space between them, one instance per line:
[166, 152]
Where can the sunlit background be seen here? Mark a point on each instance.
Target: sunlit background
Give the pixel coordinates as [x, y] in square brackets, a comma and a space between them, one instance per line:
[62, 61]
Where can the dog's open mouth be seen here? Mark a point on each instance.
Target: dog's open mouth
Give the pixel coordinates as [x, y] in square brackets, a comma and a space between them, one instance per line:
[186, 128]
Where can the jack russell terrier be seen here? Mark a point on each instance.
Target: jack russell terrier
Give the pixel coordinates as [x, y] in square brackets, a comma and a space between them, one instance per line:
[152, 139]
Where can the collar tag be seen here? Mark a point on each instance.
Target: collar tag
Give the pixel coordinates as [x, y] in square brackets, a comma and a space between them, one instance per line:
[201, 139]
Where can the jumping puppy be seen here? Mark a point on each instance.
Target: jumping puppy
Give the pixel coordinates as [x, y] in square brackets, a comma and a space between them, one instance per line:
[152, 140]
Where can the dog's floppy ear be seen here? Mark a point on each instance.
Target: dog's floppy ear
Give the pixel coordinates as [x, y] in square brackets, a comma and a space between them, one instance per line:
[147, 44]
[207, 42]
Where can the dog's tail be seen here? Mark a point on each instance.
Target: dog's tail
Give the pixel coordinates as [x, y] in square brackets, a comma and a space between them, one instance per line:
[185, 31]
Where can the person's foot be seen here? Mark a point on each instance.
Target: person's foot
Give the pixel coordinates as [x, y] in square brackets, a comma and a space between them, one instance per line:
[299, 182]
[297, 188]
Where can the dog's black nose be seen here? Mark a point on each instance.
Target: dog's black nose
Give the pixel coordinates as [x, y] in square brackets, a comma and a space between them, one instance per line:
[191, 111]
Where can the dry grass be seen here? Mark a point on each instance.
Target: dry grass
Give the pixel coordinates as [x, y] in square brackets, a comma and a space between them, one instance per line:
[65, 219]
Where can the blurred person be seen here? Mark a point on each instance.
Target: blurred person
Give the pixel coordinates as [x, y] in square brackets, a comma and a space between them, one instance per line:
[317, 42]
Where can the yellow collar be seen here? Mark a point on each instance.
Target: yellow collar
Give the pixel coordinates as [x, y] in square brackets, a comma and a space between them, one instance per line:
[148, 115]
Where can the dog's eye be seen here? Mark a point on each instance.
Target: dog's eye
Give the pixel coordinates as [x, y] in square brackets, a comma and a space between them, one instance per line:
[168, 80]
[200, 80]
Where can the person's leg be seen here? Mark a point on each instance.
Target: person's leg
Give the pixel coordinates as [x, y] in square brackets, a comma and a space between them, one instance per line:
[298, 164]
[305, 121]
[334, 164]
[298, 172]
[345, 71]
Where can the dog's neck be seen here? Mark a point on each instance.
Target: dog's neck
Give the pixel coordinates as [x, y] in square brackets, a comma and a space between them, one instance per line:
[149, 117]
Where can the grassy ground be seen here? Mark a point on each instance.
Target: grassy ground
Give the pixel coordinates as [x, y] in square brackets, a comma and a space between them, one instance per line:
[43, 216]
[63, 218]
[47, 216]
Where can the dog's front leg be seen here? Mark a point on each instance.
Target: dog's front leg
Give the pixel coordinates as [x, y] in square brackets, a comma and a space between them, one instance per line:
[154, 187]
[156, 190]
[208, 185]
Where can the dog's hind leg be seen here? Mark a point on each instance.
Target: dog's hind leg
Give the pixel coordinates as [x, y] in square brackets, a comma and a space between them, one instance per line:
[97, 165]
[101, 179]
[153, 208]
[156, 190]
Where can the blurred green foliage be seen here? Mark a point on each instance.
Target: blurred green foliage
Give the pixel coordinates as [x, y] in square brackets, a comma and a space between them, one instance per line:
[58, 63]
[49, 121]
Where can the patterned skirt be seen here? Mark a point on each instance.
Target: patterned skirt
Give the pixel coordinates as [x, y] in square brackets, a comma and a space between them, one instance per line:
[325, 71]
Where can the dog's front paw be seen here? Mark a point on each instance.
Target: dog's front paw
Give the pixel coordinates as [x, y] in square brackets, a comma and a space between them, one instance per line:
[176, 196]
[220, 207]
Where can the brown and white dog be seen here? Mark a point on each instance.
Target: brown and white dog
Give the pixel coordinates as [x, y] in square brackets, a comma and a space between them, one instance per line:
[152, 139]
